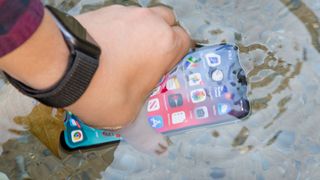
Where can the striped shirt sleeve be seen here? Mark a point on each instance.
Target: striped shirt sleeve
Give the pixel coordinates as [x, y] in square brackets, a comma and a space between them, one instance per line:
[19, 19]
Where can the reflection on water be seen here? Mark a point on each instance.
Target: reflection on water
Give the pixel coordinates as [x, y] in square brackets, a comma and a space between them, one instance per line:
[279, 46]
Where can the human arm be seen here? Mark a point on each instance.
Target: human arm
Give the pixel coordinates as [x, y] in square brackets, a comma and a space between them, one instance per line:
[138, 45]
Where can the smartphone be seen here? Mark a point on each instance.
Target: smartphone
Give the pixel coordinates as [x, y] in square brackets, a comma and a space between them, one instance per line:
[78, 135]
[207, 87]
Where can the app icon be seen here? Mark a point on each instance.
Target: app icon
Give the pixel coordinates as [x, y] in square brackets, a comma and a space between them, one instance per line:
[156, 121]
[178, 117]
[74, 123]
[195, 79]
[153, 105]
[173, 83]
[175, 100]
[191, 62]
[223, 108]
[217, 75]
[107, 133]
[76, 136]
[155, 91]
[213, 59]
[229, 96]
[201, 112]
[219, 91]
[198, 95]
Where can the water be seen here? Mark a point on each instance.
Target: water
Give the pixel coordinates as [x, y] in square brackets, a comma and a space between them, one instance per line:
[279, 44]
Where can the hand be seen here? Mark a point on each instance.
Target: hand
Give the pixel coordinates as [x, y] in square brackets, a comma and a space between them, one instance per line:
[139, 45]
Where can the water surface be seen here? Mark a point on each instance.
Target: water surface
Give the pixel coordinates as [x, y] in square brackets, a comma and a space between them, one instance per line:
[279, 44]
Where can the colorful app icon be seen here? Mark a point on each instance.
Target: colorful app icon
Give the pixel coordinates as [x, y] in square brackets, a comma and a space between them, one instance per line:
[178, 117]
[74, 123]
[229, 96]
[153, 105]
[173, 83]
[217, 75]
[175, 100]
[156, 121]
[155, 91]
[76, 136]
[198, 95]
[195, 79]
[213, 59]
[219, 91]
[201, 112]
[223, 108]
[107, 133]
[191, 62]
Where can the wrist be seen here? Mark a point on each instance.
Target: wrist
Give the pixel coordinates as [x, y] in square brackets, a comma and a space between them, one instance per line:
[42, 60]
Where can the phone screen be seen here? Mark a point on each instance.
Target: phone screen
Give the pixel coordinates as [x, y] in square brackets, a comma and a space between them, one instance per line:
[207, 87]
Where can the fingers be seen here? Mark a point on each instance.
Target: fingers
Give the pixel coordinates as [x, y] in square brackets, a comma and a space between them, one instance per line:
[184, 44]
[165, 13]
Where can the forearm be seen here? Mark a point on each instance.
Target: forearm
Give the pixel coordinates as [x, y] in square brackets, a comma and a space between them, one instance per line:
[41, 61]
[128, 69]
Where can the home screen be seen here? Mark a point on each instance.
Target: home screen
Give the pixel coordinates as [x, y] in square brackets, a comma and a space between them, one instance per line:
[207, 87]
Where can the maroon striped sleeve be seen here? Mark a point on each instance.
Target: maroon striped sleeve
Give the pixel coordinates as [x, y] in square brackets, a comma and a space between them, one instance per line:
[19, 19]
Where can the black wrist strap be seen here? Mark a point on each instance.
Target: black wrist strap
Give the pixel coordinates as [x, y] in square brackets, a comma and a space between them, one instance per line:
[71, 86]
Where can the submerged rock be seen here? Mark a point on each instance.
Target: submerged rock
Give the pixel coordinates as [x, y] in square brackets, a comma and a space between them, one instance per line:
[3, 176]
[285, 140]
[217, 173]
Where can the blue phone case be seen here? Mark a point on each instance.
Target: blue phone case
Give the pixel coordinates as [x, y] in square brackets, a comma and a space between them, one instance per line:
[227, 93]
[78, 135]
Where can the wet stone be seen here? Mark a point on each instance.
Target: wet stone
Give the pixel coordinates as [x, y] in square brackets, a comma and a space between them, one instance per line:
[217, 173]
[85, 176]
[241, 137]
[265, 164]
[259, 177]
[285, 140]
[46, 152]
[38, 171]
[298, 165]
[3, 176]
[314, 148]
[23, 139]
[91, 156]
[215, 134]
[237, 36]
[2, 83]
[74, 161]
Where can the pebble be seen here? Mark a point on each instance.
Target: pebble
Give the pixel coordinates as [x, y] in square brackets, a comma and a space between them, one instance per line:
[265, 164]
[217, 173]
[259, 177]
[285, 140]
[46, 152]
[3, 176]
[314, 148]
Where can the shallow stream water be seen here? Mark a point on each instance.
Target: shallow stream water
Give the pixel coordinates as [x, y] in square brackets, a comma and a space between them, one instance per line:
[279, 43]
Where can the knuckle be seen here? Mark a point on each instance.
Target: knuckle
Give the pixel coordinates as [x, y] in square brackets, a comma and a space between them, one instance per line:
[144, 12]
